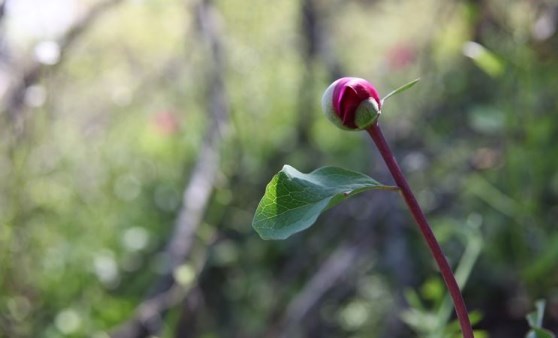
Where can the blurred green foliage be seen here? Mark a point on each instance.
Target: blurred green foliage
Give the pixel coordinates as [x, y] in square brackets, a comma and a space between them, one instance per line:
[93, 168]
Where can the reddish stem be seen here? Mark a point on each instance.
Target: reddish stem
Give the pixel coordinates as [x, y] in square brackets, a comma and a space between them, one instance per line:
[418, 215]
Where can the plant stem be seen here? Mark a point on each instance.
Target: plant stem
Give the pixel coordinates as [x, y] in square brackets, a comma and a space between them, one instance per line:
[418, 215]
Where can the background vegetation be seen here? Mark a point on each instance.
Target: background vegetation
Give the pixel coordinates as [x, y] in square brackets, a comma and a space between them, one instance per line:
[137, 138]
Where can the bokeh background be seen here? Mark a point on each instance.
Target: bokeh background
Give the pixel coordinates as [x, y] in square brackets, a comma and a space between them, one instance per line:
[137, 137]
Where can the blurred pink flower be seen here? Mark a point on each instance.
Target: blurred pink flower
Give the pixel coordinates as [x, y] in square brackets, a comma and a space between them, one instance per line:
[401, 55]
[165, 123]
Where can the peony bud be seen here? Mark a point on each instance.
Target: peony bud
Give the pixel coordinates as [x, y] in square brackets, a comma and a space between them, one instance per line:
[352, 103]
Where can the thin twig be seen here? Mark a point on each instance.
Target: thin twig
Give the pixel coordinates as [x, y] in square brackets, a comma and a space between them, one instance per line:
[149, 314]
[340, 263]
[3, 9]
[14, 98]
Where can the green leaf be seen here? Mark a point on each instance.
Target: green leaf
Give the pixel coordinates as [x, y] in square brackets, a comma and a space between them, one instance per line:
[400, 89]
[294, 200]
[535, 318]
[484, 59]
[540, 333]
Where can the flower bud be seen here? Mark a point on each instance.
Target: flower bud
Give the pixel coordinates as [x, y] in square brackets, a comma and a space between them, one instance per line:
[351, 103]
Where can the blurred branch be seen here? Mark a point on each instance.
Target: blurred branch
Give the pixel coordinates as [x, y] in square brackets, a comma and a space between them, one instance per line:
[384, 233]
[317, 40]
[3, 9]
[150, 313]
[398, 260]
[187, 323]
[340, 263]
[15, 96]
[315, 47]
[197, 193]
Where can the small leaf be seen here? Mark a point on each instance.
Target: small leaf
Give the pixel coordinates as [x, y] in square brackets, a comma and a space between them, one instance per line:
[540, 304]
[400, 89]
[532, 318]
[294, 200]
[413, 299]
[484, 58]
[540, 333]
[535, 318]
[475, 317]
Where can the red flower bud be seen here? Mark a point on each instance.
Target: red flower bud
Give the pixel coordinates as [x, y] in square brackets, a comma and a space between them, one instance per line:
[351, 103]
